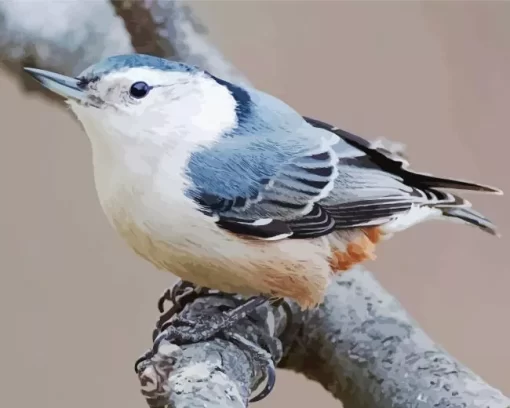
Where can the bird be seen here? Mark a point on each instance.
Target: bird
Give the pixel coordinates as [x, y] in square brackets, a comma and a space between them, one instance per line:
[230, 188]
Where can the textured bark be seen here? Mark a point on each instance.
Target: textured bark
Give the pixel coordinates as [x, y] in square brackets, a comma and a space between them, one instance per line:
[360, 344]
[363, 347]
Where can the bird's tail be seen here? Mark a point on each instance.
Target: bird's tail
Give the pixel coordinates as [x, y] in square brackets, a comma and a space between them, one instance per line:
[427, 180]
[469, 216]
[460, 209]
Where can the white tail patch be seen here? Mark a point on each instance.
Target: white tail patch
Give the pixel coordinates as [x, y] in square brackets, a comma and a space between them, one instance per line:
[416, 215]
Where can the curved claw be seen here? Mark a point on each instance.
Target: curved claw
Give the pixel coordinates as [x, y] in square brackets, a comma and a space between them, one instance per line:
[172, 294]
[261, 356]
[165, 335]
[270, 383]
[138, 363]
[275, 351]
[273, 346]
[166, 296]
[181, 293]
[181, 290]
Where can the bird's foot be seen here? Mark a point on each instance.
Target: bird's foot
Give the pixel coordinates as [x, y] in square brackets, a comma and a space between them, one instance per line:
[181, 294]
[181, 330]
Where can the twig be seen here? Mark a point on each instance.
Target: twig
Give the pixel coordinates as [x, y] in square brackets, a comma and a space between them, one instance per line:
[360, 344]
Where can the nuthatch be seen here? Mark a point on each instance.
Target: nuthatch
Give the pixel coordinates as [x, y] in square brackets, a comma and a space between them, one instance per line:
[231, 189]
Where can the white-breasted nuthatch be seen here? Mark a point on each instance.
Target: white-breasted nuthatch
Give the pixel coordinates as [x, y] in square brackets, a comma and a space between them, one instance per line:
[232, 189]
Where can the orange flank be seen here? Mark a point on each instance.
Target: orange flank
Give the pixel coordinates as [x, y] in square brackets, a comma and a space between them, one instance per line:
[359, 250]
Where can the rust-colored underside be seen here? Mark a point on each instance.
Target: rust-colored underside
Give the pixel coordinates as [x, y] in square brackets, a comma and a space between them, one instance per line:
[359, 250]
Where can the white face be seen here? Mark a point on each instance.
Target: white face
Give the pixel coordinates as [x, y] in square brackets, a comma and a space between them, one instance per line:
[178, 107]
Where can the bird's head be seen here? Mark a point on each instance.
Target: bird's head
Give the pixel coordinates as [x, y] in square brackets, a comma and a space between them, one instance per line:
[133, 99]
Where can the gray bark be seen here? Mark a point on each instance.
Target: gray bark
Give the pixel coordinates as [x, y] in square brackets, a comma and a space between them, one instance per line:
[363, 347]
[360, 344]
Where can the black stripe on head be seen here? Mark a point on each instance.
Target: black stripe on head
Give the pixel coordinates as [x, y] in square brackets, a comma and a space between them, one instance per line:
[241, 96]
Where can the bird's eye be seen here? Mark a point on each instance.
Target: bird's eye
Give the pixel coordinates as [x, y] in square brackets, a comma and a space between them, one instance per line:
[139, 90]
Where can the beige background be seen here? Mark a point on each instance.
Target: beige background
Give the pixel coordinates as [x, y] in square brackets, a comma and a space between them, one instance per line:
[77, 306]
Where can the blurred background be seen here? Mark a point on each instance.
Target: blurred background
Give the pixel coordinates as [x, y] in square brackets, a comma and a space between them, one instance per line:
[77, 306]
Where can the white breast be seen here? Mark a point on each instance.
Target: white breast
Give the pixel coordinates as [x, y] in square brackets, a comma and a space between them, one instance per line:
[142, 196]
[146, 188]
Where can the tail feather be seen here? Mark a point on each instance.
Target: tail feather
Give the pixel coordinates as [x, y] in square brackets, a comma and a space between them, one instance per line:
[458, 208]
[397, 164]
[470, 216]
[427, 180]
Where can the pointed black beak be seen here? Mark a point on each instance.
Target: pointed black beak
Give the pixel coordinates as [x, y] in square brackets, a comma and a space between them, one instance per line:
[62, 85]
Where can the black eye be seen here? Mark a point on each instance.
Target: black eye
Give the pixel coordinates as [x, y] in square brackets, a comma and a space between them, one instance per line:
[139, 90]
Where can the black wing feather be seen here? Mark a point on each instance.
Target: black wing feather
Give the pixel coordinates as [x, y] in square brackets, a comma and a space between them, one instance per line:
[383, 161]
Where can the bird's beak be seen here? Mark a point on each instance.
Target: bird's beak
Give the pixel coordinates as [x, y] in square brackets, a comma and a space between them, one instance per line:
[60, 84]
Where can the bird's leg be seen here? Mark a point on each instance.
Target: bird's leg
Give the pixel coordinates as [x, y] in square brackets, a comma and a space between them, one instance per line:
[182, 330]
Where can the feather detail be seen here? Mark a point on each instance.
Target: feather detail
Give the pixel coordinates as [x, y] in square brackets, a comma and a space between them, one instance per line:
[377, 188]
[308, 179]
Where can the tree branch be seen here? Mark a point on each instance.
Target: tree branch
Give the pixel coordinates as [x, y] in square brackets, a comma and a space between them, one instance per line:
[214, 374]
[363, 347]
[360, 344]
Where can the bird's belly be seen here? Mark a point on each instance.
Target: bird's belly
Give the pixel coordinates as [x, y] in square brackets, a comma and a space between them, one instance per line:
[190, 245]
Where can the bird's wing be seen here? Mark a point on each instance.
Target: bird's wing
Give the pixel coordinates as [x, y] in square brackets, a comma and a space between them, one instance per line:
[304, 178]
[377, 186]
[267, 183]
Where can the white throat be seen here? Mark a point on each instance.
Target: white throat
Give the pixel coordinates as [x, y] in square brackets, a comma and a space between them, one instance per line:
[127, 172]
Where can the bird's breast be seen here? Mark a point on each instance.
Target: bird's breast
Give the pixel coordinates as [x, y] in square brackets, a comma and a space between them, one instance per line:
[172, 234]
[148, 208]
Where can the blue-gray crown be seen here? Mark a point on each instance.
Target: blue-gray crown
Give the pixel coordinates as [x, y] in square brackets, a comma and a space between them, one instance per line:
[122, 62]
